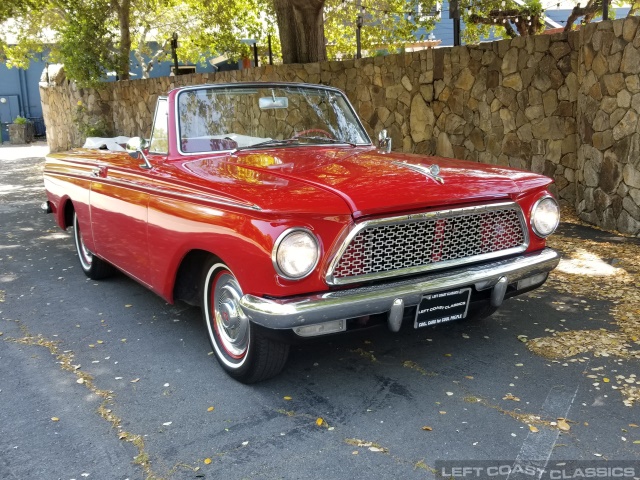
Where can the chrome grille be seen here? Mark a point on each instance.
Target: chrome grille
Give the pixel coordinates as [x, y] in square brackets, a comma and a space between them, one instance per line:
[415, 243]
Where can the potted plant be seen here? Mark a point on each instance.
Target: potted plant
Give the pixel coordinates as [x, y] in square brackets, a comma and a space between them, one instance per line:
[21, 131]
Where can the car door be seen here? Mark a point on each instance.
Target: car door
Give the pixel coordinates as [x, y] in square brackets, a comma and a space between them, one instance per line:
[119, 208]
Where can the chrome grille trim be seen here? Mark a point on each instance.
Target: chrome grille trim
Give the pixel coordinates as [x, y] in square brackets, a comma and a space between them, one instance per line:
[429, 220]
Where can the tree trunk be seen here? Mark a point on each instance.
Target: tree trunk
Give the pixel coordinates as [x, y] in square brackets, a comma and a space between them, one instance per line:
[301, 26]
[124, 10]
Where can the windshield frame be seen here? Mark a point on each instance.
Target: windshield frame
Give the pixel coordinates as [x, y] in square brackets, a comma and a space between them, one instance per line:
[249, 85]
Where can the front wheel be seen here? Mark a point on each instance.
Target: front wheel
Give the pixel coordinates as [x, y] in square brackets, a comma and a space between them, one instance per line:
[92, 266]
[240, 348]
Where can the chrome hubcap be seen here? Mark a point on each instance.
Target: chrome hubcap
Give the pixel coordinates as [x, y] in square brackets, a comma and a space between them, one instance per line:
[86, 253]
[231, 324]
[86, 257]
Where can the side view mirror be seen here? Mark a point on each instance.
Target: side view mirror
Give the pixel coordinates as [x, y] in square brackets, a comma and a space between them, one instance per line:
[135, 148]
[384, 142]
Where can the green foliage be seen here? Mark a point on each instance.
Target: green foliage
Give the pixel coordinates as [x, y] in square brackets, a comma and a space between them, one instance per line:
[505, 18]
[388, 25]
[86, 42]
[21, 120]
[88, 37]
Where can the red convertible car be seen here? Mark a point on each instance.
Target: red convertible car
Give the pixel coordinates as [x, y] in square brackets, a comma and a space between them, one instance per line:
[267, 205]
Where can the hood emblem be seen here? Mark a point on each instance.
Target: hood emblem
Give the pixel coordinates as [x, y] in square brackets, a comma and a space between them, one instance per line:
[431, 171]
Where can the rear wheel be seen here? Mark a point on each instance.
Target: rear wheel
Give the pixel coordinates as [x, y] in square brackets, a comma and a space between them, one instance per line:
[239, 346]
[92, 266]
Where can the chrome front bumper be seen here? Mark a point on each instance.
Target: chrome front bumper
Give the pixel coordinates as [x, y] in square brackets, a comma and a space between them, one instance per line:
[357, 302]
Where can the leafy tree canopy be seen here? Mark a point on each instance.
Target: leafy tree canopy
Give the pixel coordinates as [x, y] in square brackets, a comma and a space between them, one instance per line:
[387, 24]
[93, 37]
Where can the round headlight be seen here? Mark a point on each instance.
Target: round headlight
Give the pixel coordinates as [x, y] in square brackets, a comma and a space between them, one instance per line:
[295, 253]
[545, 216]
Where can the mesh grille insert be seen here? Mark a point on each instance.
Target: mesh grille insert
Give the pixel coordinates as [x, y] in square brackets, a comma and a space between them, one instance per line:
[417, 243]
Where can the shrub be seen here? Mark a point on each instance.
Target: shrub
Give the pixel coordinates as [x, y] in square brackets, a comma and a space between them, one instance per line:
[21, 120]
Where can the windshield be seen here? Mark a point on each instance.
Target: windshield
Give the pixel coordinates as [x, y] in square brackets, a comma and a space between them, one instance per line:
[228, 118]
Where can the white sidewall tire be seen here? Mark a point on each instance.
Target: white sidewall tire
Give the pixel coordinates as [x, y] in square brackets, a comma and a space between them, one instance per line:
[209, 315]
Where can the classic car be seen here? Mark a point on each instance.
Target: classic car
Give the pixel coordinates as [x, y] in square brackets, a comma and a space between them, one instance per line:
[267, 205]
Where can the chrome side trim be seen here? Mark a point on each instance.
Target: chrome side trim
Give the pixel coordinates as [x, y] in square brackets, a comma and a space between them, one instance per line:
[211, 199]
[324, 307]
[331, 280]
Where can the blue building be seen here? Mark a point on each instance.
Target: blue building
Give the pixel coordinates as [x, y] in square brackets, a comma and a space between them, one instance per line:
[20, 95]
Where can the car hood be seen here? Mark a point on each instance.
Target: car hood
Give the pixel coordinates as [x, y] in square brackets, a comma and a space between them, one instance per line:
[371, 182]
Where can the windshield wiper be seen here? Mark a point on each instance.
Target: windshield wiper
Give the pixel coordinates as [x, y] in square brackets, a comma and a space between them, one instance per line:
[327, 139]
[267, 143]
[289, 141]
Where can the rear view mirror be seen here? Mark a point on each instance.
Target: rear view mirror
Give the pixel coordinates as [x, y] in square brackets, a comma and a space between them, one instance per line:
[267, 103]
[135, 147]
[136, 144]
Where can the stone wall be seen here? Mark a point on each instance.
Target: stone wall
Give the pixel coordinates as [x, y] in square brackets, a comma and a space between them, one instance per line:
[608, 186]
[538, 103]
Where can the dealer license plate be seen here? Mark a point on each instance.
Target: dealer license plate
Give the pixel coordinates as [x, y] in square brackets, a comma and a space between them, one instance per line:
[442, 307]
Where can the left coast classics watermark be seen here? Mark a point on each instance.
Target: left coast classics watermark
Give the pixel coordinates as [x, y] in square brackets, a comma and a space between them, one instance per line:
[554, 470]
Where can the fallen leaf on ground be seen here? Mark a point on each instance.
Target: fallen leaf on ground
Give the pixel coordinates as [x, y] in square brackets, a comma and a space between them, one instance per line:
[533, 429]
[427, 429]
[210, 409]
[135, 380]
[563, 425]
[509, 396]
[320, 422]
[54, 419]
[287, 398]
[207, 461]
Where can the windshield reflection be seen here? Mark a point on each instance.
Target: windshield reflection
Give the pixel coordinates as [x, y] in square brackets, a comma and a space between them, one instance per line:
[215, 119]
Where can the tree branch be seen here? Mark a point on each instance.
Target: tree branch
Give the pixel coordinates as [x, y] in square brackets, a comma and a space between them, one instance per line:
[588, 12]
[495, 21]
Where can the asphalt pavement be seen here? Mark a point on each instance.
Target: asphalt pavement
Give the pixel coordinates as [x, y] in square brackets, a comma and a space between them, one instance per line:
[105, 380]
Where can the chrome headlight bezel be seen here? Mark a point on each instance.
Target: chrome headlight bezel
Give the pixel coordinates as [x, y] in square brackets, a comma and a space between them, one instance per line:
[537, 228]
[276, 260]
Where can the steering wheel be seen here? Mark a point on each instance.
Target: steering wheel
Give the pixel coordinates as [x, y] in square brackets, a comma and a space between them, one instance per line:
[320, 131]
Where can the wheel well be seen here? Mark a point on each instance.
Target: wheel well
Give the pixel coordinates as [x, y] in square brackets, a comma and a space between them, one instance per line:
[189, 277]
[68, 214]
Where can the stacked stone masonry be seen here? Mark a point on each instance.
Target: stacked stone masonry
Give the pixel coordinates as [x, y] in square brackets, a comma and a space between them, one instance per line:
[566, 105]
